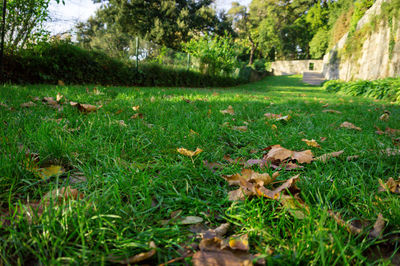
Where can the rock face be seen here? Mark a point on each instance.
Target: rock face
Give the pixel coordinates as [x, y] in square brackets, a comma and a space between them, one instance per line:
[377, 59]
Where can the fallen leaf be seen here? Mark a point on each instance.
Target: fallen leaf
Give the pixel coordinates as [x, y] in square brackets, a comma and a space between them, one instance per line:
[189, 153]
[322, 139]
[137, 115]
[303, 156]
[391, 185]
[219, 232]
[122, 123]
[192, 132]
[212, 166]
[59, 97]
[61, 83]
[325, 157]
[391, 152]
[353, 157]
[250, 176]
[392, 131]
[350, 126]
[137, 258]
[191, 220]
[52, 170]
[152, 99]
[277, 155]
[385, 116]
[87, 108]
[331, 111]
[229, 110]
[284, 118]
[272, 116]
[119, 111]
[240, 128]
[136, 108]
[239, 242]
[311, 143]
[325, 105]
[215, 251]
[28, 104]
[378, 227]
[353, 227]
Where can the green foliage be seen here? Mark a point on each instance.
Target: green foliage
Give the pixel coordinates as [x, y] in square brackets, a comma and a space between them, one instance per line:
[50, 62]
[319, 43]
[387, 89]
[25, 22]
[261, 65]
[163, 22]
[216, 54]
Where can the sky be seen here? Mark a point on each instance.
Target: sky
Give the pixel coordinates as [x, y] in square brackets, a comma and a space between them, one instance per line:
[65, 16]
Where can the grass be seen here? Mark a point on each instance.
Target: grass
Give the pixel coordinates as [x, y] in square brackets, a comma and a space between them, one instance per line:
[135, 178]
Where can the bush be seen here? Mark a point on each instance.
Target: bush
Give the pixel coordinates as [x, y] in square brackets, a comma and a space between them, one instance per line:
[386, 89]
[50, 62]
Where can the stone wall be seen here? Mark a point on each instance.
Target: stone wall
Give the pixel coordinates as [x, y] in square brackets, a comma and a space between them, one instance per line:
[374, 62]
[295, 67]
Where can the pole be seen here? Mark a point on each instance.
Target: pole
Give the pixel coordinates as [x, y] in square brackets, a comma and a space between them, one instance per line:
[137, 54]
[3, 32]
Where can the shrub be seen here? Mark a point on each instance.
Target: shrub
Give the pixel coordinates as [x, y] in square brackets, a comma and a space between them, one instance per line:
[387, 89]
[50, 62]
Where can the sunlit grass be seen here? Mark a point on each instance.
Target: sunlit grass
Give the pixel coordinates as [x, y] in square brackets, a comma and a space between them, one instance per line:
[135, 178]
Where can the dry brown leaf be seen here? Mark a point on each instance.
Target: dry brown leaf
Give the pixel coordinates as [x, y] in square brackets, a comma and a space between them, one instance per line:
[73, 104]
[119, 111]
[325, 157]
[61, 83]
[240, 128]
[311, 143]
[391, 152]
[122, 123]
[331, 111]
[353, 227]
[276, 193]
[322, 139]
[392, 131]
[385, 116]
[219, 232]
[250, 176]
[278, 153]
[391, 185]
[350, 126]
[303, 156]
[189, 153]
[379, 225]
[137, 115]
[87, 108]
[152, 99]
[137, 258]
[229, 110]
[272, 116]
[260, 162]
[28, 104]
[216, 251]
[353, 157]
[191, 220]
[136, 108]
[325, 105]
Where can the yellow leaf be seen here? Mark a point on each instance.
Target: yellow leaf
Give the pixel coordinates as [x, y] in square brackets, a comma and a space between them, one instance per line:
[189, 153]
[311, 143]
[136, 108]
[52, 170]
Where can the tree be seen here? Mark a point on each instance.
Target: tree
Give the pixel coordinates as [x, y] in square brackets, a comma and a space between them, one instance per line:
[24, 22]
[217, 54]
[282, 27]
[164, 22]
[244, 28]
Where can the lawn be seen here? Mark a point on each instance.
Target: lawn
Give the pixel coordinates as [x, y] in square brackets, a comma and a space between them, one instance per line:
[136, 190]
